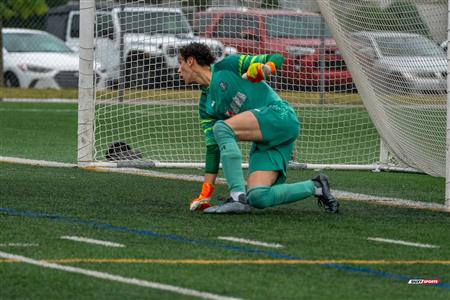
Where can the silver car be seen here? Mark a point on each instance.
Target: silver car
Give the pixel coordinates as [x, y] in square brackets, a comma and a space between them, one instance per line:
[399, 62]
[37, 59]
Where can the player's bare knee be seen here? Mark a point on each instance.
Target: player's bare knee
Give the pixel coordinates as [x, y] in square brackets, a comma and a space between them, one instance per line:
[260, 197]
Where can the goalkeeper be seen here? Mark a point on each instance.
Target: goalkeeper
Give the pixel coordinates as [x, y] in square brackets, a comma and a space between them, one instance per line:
[236, 104]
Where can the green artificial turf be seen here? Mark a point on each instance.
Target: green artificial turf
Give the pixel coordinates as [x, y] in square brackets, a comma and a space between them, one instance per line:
[150, 217]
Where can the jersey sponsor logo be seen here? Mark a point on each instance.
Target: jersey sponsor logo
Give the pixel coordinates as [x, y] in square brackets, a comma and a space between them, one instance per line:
[237, 102]
[223, 86]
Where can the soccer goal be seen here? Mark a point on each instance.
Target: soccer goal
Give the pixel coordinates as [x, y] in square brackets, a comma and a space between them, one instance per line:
[368, 78]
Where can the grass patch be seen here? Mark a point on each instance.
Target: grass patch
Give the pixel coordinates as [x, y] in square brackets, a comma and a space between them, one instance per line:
[38, 93]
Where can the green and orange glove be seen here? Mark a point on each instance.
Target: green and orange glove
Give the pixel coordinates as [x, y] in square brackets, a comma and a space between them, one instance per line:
[202, 201]
[258, 72]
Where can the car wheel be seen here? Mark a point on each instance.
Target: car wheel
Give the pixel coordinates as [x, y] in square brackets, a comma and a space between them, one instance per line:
[279, 83]
[11, 80]
[136, 72]
[131, 74]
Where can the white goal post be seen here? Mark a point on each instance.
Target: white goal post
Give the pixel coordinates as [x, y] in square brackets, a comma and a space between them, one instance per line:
[368, 79]
[85, 133]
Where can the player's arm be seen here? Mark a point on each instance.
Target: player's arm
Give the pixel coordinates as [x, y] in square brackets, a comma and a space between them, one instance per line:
[212, 162]
[257, 68]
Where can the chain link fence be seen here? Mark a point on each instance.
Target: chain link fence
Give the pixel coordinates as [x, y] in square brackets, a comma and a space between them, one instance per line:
[32, 58]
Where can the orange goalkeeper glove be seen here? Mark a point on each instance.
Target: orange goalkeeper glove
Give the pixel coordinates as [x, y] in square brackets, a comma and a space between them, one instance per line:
[258, 72]
[202, 201]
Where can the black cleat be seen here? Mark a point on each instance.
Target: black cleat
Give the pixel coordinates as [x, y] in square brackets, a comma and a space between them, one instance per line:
[324, 196]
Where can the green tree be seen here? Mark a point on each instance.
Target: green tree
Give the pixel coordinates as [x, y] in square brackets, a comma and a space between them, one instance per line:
[20, 8]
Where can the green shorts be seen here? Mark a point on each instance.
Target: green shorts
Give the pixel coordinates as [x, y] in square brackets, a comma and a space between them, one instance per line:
[280, 128]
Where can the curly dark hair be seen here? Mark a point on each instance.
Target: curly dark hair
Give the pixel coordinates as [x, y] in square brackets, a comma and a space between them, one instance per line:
[199, 51]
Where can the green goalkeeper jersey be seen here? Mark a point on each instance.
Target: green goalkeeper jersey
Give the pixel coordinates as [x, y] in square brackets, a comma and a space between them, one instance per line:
[228, 94]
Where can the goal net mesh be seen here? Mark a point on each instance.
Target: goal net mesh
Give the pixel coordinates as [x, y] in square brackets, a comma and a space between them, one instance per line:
[356, 72]
[392, 49]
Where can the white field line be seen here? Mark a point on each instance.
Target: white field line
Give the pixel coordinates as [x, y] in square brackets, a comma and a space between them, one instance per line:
[151, 173]
[117, 278]
[19, 245]
[245, 241]
[92, 241]
[342, 195]
[399, 242]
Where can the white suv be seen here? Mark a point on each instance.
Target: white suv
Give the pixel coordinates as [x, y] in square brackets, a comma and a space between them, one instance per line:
[144, 40]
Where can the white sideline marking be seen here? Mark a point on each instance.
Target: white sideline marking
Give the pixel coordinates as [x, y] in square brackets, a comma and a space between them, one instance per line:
[112, 277]
[92, 241]
[19, 245]
[399, 242]
[342, 195]
[245, 241]
[390, 201]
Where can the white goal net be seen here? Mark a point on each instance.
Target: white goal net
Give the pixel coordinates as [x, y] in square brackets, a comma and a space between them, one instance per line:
[366, 78]
[395, 52]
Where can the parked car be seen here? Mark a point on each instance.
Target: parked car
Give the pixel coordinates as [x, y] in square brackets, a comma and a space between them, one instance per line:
[402, 62]
[311, 56]
[444, 45]
[37, 59]
[146, 43]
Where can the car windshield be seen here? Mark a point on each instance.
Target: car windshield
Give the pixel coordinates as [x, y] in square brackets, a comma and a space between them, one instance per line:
[156, 22]
[33, 42]
[285, 26]
[407, 46]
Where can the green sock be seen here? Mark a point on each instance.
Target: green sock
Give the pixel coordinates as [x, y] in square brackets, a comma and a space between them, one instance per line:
[230, 156]
[266, 196]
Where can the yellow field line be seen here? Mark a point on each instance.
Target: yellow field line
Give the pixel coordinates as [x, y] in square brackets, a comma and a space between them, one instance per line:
[238, 261]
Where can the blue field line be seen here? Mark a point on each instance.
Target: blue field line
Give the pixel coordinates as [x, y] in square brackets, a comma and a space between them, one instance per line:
[177, 238]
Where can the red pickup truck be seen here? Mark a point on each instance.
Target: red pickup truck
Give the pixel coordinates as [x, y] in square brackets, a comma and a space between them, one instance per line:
[311, 56]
